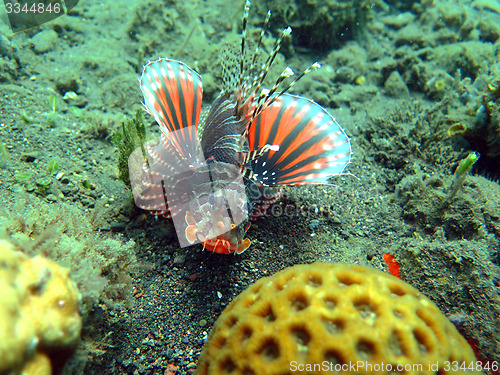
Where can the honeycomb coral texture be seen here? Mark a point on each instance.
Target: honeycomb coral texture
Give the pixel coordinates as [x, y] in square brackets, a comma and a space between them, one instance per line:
[332, 314]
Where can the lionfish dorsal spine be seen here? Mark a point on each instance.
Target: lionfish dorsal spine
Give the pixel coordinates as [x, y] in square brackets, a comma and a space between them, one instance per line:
[259, 79]
[265, 98]
[245, 86]
[259, 42]
[242, 57]
[269, 98]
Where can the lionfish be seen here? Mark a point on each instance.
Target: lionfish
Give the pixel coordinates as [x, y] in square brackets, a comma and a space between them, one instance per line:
[215, 174]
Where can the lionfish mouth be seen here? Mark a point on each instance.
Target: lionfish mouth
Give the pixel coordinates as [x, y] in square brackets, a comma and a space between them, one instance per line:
[222, 246]
[213, 173]
[226, 243]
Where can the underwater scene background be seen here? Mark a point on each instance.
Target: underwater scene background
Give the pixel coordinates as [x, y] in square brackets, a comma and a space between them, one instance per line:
[414, 84]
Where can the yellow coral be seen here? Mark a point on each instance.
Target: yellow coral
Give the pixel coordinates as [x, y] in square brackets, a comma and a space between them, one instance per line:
[38, 312]
[457, 128]
[53, 307]
[440, 85]
[17, 334]
[322, 317]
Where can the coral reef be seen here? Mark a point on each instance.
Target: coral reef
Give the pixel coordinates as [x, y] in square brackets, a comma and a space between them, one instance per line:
[309, 315]
[318, 26]
[39, 320]
[97, 263]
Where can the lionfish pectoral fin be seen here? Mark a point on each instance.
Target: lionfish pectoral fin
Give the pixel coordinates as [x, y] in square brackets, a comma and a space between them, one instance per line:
[313, 146]
[245, 244]
[172, 95]
[247, 157]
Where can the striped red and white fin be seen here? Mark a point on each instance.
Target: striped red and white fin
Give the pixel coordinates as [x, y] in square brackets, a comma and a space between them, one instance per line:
[172, 95]
[312, 145]
[161, 174]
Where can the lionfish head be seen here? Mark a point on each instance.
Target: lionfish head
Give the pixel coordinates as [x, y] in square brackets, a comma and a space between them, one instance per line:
[204, 227]
[211, 176]
[218, 217]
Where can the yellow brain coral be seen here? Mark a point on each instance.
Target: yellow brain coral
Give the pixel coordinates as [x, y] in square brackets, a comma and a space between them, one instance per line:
[325, 318]
[38, 313]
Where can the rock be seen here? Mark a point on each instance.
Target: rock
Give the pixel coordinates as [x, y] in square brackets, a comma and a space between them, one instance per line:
[67, 82]
[117, 226]
[6, 47]
[345, 74]
[395, 86]
[179, 259]
[410, 35]
[399, 21]
[29, 157]
[171, 369]
[44, 41]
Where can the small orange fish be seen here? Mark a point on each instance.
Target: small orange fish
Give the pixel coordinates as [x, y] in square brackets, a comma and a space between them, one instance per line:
[392, 264]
